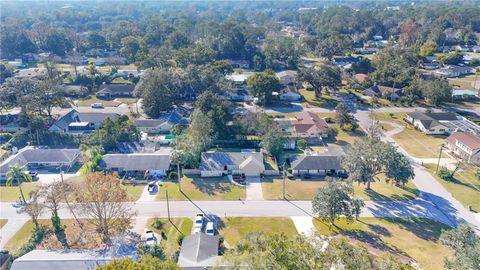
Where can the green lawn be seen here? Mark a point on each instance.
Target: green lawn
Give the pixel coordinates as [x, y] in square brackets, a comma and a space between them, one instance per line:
[12, 194]
[395, 117]
[306, 189]
[3, 222]
[413, 237]
[233, 229]
[134, 192]
[93, 99]
[22, 235]
[464, 188]
[323, 101]
[196, 188]
[120, 80]
[171, 232]
[127, 100]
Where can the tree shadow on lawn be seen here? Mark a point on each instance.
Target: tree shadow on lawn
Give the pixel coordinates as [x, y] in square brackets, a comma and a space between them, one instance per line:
[373, 239]
[423, 228]
[375, 196]
[212, 186]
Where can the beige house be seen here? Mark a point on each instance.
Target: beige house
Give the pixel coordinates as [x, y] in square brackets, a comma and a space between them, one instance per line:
[465, 146]
[305, 125]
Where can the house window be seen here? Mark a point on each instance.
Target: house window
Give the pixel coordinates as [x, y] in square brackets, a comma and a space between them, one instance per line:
[442, 129]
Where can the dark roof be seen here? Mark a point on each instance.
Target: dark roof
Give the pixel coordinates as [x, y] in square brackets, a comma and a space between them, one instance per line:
[138, 161]
[199, 250]
[328, 160]
[173, 118]
[457, 69]
[439, 116]
[116, 88]
[75, 116]
[378, 90]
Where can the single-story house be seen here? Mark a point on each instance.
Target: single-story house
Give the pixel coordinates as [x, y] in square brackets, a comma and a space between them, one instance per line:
[290, 96]
[152, 163]
[231, 163]
[345, 61]
[68, 259]
[239, 80]
[239, 63]
[162, 125]
[40, 157]
[199, 251]
[77, 122]
[383, 91]
[10, 122]
[466, 146]
[430, 65]
[454, 71]
[367, 51]
[325, 163]
[286, 77]
[432, 123]
[465, 94]
[463, 48]
[115, 90]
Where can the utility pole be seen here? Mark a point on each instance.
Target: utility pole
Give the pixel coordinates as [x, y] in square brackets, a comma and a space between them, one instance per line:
[179, 178]
[284, 179]
[168, 206]
[439, 156]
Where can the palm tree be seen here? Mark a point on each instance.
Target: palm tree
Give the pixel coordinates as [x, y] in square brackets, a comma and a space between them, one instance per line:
[18, 175]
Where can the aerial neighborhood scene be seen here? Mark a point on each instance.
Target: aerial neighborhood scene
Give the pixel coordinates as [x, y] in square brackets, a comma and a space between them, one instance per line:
[240, 134]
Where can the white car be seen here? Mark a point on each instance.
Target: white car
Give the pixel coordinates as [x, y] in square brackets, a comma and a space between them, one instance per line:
[97, 105]
[210, 230]
[150, 238]
[198, 226]
[152, 187]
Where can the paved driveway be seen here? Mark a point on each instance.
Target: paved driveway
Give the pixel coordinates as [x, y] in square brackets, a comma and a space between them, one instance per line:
[254, 188]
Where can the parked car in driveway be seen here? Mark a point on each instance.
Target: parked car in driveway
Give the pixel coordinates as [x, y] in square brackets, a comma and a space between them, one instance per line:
[210, 229]
[150, 238]
[199, 221]
[152, 187]
[33, 174]
[97, 105]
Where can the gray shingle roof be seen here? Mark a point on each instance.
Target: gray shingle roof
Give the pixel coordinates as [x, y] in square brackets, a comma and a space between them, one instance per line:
[138, 161]
[329, 160]
[172, 117]
[439, 116]
[116, 88]
[60, 260]
[40, 155]
[75, 116]
[218, 160]
[199, 250]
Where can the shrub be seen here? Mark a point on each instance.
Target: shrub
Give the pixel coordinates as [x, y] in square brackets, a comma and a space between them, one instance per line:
[332, 132]
[445, 174]
[172, 175]
[56, 223]
[157, 224]
[5, 137]
[35, 238]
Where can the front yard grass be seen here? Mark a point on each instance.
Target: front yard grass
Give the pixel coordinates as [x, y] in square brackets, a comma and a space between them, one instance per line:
[306, 189]
[170, 232]
[12, 194]
[197, 188]
[413, 237]
[233, 229]
[89, 239]
[325, 101]
[134, 192]
[415, 142]
[465, 187]
[93, 99]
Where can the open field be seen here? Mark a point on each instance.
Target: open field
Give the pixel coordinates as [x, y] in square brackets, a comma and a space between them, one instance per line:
[12, 194]
[465, 187]
[414, 237]
[235, 228]
[306, 189]
[170, 232]
[196, 188]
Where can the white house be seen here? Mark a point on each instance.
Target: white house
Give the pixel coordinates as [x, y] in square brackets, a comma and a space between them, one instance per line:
[433, 123]
[231, 163]
[151, 163]
[40, 157]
